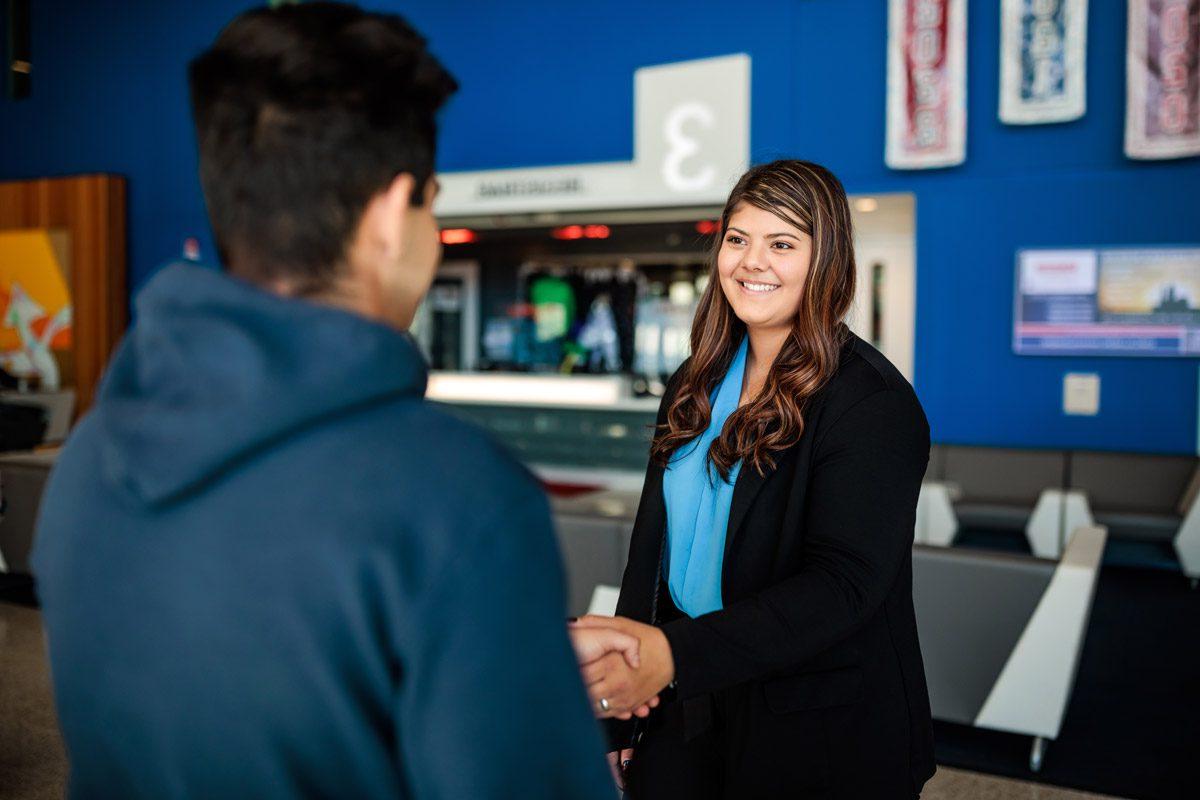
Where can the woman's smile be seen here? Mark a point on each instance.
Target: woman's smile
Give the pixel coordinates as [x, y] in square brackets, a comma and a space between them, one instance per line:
[758, 287]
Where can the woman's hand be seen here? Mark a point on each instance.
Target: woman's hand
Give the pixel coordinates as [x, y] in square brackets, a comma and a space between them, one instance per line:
[612, 684]
[618, 762]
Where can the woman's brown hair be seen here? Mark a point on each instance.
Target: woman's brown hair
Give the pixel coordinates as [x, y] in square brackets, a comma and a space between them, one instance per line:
[809, 197]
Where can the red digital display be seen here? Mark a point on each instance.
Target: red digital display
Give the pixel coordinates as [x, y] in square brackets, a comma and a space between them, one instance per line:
[459, 236]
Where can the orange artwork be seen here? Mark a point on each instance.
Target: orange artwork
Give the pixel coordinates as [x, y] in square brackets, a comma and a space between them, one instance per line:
[36, 304]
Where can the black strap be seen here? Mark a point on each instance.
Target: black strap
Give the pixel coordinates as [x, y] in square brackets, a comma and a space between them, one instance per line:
[638, 730]
[662, 552]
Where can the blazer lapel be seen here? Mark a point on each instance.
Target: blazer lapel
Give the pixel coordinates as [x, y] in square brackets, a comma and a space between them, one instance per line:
[749, 482]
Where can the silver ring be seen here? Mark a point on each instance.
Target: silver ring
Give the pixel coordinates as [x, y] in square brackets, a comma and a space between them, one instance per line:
[604, 706]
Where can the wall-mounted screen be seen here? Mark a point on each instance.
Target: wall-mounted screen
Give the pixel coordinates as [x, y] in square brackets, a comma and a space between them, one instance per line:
[1127, 301]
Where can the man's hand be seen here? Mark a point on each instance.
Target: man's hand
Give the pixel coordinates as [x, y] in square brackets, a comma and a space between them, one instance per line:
[593, 644]
[612, 682]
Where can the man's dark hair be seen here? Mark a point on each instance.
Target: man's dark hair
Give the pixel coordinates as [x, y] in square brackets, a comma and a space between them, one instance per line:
[303, 114]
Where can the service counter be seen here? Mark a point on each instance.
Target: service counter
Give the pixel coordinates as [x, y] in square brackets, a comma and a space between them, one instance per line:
[589, 431]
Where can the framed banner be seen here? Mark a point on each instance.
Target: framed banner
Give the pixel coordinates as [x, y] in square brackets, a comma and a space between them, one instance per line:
[1043, 47]
[1162, 64]
[926, 84]
[1119, 301]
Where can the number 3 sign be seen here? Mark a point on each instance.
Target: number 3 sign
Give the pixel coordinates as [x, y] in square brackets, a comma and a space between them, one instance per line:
[691, 142]
[693, 128]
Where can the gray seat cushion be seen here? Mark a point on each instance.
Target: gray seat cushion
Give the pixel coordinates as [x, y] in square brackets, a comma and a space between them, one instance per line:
[972, 607]
[1131, 482]
[992, 516]
[998, 476]
[936, 471]
[1140, 527]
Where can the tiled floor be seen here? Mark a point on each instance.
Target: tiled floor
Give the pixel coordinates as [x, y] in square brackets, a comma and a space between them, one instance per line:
[32, 764]
[952, 784]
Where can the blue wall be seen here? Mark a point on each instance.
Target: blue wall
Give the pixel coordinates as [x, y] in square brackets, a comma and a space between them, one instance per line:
[551, 83]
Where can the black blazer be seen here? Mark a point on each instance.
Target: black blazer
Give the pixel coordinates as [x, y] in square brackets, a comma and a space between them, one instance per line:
[817, 584]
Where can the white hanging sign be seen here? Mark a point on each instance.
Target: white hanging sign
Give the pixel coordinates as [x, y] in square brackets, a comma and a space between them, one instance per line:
[691, 143]
[1043, 46]
[1162, 63]
[926, 84]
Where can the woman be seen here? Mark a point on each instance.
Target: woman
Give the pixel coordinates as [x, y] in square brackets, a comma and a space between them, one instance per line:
[770, 572]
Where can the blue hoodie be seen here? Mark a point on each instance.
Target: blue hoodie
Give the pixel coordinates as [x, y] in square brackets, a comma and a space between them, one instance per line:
[268, 568]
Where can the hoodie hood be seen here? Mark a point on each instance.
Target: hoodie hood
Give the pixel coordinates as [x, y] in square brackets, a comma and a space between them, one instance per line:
[216, 369]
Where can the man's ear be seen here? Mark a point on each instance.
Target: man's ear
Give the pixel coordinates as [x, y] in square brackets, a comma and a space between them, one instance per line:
[386, 213]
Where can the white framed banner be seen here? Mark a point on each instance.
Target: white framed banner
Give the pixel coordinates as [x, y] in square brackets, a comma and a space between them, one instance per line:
[1162, 65]
[1043, 61]
[926, 84]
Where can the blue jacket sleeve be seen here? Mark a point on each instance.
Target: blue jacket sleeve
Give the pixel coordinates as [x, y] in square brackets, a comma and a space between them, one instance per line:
[490, 702]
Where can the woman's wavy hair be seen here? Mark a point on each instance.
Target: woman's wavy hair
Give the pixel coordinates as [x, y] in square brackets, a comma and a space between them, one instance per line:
[811, 198]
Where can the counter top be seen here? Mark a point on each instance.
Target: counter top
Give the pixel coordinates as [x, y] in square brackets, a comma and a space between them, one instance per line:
[615, 496]
[538, 390]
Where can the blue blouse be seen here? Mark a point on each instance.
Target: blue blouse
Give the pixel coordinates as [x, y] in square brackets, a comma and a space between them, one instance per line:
[697, 502]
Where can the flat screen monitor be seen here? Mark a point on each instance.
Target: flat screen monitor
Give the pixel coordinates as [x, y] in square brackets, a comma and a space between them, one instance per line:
[1120, 301]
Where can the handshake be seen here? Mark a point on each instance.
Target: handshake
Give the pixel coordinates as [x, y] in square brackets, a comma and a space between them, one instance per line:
[625, 664]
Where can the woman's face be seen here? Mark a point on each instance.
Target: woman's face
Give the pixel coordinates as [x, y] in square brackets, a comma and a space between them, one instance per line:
[763, 263]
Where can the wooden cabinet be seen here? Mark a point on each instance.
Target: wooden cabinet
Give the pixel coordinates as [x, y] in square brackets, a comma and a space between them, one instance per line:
[90, 210]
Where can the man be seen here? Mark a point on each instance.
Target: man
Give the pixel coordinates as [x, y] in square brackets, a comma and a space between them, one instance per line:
[268, 568]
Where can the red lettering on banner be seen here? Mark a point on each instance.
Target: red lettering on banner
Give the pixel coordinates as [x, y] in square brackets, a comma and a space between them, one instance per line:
[1174, 69]
[1173, 113]
[1174, 56]
[925, 60]
[1174, 23]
